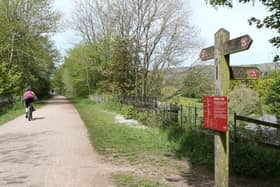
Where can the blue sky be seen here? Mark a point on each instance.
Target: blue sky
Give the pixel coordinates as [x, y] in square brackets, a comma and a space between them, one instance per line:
[208, 20]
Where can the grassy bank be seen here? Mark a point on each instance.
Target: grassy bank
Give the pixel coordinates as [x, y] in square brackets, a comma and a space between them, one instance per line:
[158, 152]
[11, 112]
[15, 110]
[146, 149]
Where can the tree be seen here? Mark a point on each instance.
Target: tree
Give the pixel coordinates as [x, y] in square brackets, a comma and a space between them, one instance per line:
[78, 73]
[273, 97]
[198, 83]
[26, 54]
[158, 33]
[244, 101]
[272, 21]
[122, 69]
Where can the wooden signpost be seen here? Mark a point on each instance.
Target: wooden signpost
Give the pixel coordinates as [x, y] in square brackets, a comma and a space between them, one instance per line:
[220, 53]
[244, 73]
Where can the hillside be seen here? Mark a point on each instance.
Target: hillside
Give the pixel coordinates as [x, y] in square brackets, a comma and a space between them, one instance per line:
[175, 76]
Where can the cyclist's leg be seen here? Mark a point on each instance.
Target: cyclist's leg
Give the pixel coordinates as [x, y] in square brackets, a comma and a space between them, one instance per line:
[26, 107]
[30, 110]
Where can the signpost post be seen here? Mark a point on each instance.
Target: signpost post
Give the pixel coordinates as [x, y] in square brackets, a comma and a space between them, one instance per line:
[220, 52]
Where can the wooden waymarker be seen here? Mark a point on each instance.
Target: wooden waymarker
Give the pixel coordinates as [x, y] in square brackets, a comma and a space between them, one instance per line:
[244, 73]
[231, 46]
[220, 53]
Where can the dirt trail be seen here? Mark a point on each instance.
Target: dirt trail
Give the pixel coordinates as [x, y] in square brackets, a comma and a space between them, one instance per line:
[51, 150]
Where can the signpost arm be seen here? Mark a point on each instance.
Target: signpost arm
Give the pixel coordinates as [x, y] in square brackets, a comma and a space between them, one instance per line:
[221, 139]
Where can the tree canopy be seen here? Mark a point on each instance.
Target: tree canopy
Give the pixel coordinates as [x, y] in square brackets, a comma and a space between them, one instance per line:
[152, 35]
[26, 53]
[271, 21]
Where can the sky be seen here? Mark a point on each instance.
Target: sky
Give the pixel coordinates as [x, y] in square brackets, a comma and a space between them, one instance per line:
[208, 21]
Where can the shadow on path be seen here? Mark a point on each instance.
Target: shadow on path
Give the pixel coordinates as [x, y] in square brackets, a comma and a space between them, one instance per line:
[38, 118]
[59, 100]
[19, 149]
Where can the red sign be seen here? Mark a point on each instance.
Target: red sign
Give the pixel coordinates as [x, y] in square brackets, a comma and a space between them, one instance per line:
[216, 113]
[254, 73]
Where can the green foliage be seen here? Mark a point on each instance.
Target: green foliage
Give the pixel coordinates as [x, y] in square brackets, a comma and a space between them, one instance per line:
[244, 101]
[107, 135]
[273, 96]
[154, 85]
[185, 101]
[129, 112]
[197, 84]
[193, 145]
[8, 113]
[168, 91]
[248, 159]
[26, 54]
[271, 21]
[126, 180]
[56, 81]
[102, 67]
[122, 69]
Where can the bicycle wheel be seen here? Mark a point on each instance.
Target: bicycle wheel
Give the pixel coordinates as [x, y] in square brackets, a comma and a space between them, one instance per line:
[29, 112]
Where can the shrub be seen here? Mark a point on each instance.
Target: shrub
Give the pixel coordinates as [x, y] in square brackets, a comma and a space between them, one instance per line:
[244, 101]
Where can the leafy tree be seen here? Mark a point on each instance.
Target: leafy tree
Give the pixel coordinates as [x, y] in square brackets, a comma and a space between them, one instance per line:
[78, 74]
[168, 91]
[273, 97]
[244, 101]
[158, 33]
[122, 69]
[198, 83]
[26, 54]
[88, 69]
[155, 82]
[271, 21]
[56, 81]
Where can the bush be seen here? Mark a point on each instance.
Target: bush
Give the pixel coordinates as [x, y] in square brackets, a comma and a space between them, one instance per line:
[273, 97]
[197, 146]
[244, 101]
[252, 160]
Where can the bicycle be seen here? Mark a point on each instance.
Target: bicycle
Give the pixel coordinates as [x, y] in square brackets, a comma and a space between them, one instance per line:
[30, 110]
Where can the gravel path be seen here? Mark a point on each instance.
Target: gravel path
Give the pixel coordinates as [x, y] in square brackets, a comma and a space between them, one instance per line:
[51, 150]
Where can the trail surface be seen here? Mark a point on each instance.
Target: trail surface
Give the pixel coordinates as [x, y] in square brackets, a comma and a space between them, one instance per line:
[53, 150]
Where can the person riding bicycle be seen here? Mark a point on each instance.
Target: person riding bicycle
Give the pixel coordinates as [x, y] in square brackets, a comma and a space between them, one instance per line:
[28, 97]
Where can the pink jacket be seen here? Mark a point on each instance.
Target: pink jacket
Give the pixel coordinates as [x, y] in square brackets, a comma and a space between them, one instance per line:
[28, 95]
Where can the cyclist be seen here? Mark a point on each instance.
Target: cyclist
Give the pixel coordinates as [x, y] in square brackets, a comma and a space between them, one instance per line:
[28, 97]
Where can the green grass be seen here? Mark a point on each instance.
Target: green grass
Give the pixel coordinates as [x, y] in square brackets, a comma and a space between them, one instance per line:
[148, 150]
[107, 135]
[160, 150]
[126, 180]
[10, 113]
[186, 101]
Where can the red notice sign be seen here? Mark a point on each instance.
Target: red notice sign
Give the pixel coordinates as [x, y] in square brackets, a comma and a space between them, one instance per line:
[216, 113]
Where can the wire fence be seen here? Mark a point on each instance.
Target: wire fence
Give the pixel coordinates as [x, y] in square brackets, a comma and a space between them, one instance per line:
[191, 117]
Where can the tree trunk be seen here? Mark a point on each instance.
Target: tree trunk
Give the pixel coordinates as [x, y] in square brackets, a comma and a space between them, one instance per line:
[89, 90]
[12, 51]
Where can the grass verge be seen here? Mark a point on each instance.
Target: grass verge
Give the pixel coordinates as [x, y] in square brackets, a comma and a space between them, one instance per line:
[154, 152]
[12, 112]
[148, 150]
[127, 180]
[16, 110]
